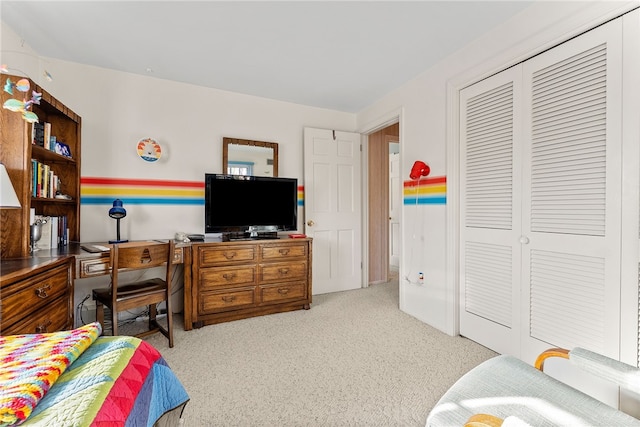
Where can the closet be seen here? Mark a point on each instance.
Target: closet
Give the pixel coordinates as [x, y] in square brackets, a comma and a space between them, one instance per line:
[541, 199]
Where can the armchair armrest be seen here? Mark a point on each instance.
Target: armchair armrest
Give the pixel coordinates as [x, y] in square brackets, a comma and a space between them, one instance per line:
[552, 352]
[619, 373]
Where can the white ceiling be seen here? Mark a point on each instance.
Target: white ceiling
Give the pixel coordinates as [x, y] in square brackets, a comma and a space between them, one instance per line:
[340, 55]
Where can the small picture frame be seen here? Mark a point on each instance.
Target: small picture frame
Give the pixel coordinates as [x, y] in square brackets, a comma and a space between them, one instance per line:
[63, 149]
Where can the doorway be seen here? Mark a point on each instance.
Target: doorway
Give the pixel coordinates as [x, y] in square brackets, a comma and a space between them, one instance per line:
[379, 194]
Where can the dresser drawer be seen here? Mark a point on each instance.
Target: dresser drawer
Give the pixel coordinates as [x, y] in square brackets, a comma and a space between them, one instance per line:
[283, 292]
[282, 271]
[275, 251]
[54, 317]
[211, 302]
[208, 256]
[36, 292]
[215, 277]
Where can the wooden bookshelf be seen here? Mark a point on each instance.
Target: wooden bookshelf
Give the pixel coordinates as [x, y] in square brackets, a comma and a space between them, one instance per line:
[16, 153]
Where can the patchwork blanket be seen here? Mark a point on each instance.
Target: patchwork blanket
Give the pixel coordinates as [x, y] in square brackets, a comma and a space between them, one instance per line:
[115, 381]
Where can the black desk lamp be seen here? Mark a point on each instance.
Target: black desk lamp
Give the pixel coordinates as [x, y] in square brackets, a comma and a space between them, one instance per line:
[117, 212]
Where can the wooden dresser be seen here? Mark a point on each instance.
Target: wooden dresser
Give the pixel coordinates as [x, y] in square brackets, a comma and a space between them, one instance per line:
[236, 280]
[36, 296]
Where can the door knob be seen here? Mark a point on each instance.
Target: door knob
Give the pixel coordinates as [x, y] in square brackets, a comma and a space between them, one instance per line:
[524, 240]
[310, 223]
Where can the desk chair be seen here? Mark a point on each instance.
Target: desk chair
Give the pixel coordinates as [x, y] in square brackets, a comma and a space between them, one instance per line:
[120, 297]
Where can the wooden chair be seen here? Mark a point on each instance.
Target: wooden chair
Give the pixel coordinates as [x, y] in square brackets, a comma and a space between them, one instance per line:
[148, 292]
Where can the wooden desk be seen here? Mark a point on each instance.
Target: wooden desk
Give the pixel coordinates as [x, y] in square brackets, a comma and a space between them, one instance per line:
[37, 292]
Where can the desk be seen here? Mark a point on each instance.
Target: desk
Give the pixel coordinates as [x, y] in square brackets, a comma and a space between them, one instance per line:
[49, 275]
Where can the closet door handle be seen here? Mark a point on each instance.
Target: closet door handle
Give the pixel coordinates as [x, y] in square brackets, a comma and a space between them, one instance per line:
[524, 240]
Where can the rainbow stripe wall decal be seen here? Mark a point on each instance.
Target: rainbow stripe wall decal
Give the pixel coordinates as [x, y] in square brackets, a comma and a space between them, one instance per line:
[102, 191]
[426, 191]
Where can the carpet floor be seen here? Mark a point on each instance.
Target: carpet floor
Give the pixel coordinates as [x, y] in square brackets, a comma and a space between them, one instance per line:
[353, 359]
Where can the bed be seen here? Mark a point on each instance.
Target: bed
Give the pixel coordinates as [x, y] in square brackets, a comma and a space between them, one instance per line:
[77, 378]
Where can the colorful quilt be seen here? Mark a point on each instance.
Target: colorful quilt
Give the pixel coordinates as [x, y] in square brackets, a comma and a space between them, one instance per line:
[116, 381]
[30, 364]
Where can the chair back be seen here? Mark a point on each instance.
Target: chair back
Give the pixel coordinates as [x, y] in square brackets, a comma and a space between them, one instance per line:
[141, 255]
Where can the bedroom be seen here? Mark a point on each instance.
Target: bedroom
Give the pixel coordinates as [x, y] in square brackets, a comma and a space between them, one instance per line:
[120, 108]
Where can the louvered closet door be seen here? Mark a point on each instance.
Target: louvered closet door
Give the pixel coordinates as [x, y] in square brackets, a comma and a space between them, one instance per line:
[572, 195]
[490, 150]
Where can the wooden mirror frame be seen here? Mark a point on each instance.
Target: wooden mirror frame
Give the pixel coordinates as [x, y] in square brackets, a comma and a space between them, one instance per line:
[225, 151]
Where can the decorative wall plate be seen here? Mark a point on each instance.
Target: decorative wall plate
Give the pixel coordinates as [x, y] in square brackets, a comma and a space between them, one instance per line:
[149, 150]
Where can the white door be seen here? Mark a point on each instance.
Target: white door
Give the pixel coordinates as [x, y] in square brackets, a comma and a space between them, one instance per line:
[395, 201]
[333, 208]
[572, 188]
[490, 212]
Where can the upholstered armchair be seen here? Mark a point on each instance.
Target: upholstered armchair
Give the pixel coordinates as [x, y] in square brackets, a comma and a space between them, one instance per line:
[505, 391]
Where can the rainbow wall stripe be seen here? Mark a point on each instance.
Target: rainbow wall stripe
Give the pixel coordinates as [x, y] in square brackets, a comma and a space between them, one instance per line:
[426, 191]
[102, 191]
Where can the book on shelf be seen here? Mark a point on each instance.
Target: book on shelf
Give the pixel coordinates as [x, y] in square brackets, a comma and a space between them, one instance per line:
[37, 134]
[46, 231]
[47, 135]
[55, 232]
[46, 182]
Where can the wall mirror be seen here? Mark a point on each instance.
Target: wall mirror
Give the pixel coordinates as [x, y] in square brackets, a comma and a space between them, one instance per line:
[247, 157]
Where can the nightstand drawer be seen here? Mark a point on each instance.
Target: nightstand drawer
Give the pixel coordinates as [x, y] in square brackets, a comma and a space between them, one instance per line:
[282, 292]
[214, 277]
[275, 251]
[36, 292]
[283, 271]
[208, 256]
[55, 317]
[211, 302]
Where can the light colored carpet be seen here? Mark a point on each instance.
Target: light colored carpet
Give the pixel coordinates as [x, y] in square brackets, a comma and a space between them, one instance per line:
[354, 359]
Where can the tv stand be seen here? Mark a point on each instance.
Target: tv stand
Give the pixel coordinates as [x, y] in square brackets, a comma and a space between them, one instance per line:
[235, 280]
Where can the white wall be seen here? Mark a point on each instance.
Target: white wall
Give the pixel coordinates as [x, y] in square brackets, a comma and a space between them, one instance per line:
[428, 124]
[118, 109]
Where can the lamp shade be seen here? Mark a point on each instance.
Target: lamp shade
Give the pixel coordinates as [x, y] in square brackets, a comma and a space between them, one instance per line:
[8, 197]
[117, 211]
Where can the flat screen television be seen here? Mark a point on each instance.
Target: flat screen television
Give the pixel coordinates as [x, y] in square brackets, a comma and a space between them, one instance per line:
[250, 206]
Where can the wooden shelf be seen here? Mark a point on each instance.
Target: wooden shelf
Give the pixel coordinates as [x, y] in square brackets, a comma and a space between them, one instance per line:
[17, 153]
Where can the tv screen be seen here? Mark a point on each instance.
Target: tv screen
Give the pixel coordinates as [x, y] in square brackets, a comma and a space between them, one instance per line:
[242, 204]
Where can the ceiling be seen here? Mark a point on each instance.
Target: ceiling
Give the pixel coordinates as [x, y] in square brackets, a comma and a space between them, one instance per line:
[339, 55]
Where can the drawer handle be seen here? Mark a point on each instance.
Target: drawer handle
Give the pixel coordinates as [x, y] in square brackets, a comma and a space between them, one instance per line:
[228, 298]
[283, 291]
[41, 292]
[42, 328]
[229, 255]
[283, 271]
[284, 251]
[229, 276]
